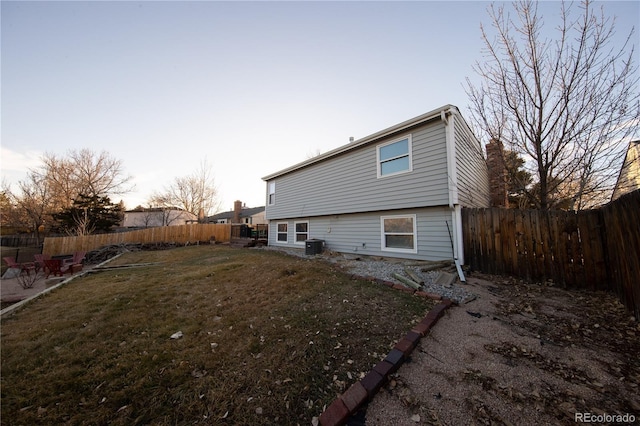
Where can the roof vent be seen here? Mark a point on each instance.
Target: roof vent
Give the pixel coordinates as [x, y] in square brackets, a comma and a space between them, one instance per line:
[351, 139]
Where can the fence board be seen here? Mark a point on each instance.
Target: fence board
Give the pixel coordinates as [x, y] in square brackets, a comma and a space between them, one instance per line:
[532, 237]
[532, 232]
[19, 241]
[508, 243]
[622, 245]
[593, 249]
[557, 246]
[523, 251]
[179, 234]
[496, 243]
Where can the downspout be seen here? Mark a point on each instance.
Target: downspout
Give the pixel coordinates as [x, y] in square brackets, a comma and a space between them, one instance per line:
[448, 117]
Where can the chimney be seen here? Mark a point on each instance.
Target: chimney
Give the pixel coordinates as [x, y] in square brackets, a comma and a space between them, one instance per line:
[237, 209]
[498, 177]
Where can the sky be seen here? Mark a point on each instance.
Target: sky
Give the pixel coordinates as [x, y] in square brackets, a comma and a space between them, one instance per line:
[249, 87]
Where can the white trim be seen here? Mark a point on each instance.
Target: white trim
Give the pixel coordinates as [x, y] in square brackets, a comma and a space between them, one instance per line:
[414, 234]
[295, 231]
[277, 233]
[458, 242]
[452, 173]
[409, 154]
[460, 239]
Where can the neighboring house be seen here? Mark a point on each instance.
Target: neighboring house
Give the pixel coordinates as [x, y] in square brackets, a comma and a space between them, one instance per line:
[629, 177]
[240, 214]
[398, 192]
[146, 218]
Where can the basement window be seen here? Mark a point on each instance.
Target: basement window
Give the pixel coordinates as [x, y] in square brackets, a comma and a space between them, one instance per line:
[302, 232]
[282, 234]
[399, 233]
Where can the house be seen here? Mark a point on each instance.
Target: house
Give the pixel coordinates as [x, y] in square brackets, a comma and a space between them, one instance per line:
[240, 214]
[397, 193]
[629, 177]
[150, 217]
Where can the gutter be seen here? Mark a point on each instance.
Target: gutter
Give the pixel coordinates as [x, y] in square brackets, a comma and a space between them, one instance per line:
[449, 118]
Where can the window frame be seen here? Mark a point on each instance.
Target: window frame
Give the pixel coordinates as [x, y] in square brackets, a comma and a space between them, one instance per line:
[383, 234]
[295, 231]
[285, 233]
[409, 155]
[271, 193]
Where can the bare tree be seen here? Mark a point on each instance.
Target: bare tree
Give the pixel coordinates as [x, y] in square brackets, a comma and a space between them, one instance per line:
[567, 105]
[82, 225]
[8, 212]
[88, 215]
[83, 172]
[147, 218]
[195, 193]
[164, 214]
[33, 203]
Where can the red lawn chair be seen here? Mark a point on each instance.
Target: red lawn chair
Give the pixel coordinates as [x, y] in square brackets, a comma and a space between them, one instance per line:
[77, 258]
[39, 261]
[75, 263]
[24, 267]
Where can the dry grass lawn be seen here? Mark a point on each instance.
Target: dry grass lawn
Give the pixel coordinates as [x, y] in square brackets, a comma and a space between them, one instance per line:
[267, 339]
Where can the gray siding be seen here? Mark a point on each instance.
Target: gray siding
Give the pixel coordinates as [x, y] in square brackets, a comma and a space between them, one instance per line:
[361, 233]
[349, 184]
[471, 168]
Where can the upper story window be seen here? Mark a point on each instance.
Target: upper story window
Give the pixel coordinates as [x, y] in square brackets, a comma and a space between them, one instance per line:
[394, 157]
[272, 193]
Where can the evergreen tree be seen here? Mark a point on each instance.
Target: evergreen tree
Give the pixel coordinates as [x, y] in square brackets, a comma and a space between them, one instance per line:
[89, 215]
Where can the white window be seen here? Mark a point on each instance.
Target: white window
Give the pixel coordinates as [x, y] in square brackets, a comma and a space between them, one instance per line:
[272, 193]
[394, 157]
[282, 234]
[302, 232]
[399, 233]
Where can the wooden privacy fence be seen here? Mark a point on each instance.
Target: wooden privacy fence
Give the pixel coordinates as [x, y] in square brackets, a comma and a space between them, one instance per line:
[19, 241]
[592, 249]
[179, 234]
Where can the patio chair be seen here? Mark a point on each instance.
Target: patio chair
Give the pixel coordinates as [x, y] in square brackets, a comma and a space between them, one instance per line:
[74, 264]
[77, 259]
[39, 261]
[23, 267]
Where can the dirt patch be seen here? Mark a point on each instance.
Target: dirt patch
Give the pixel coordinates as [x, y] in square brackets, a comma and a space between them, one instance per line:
[519, 354]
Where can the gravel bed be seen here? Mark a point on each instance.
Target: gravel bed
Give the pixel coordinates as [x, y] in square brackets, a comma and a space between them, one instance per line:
[384, 268]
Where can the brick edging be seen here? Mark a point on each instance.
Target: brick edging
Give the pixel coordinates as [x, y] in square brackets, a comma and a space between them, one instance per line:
[348, 403]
